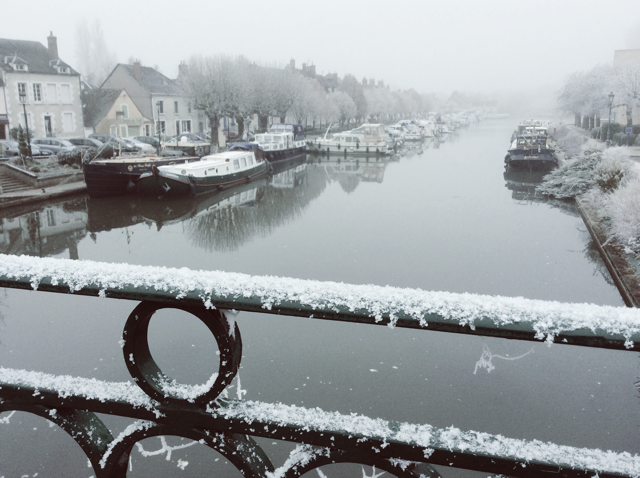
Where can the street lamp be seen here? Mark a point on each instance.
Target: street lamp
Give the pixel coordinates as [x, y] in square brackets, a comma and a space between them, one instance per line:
[119, 116]
[608, 143]
[158, 126]
[23, 100]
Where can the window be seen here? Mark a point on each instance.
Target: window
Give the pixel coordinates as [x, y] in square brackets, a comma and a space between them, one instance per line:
[250, 160]
[51, 217]
[147, 130]
[113, 129]
[65, 93]
[175, 107]
[125, 110]
[124, 132]
[161, 127]
[67, 122]
[236, 165]
[243, 162]
[186, 126]
[177, 127]
[37, 92]
[52, 94]
[22, 90]
[160, 106]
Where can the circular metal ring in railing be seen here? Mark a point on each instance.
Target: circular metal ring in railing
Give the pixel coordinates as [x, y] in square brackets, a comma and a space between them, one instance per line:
[153, 381]
[241, 450]
[315, 457]
[88, 431]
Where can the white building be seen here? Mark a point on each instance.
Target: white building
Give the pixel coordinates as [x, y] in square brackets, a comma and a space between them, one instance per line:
[48, 85]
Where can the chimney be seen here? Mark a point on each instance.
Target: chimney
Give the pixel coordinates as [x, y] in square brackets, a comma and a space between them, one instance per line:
[183, 69]
[137, 71]
[53, 47]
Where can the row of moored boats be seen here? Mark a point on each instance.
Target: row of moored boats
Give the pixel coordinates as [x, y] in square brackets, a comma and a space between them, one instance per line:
[245, 161]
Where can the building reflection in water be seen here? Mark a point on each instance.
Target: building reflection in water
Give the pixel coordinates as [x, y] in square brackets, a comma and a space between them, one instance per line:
[46, 230]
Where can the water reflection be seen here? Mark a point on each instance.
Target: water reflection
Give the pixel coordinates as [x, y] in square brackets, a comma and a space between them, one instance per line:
[45, 230]
[348, 171]
[523, 184]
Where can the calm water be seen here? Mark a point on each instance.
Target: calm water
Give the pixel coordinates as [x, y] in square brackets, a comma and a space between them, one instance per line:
[438, 217]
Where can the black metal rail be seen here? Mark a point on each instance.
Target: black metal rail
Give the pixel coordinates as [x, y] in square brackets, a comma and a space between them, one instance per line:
[159, 406]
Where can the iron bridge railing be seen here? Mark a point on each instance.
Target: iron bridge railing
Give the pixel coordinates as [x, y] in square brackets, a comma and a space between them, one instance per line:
[159, 406]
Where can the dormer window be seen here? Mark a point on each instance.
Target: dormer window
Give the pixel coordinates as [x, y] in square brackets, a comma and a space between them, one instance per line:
[16, 63]
[60, 67]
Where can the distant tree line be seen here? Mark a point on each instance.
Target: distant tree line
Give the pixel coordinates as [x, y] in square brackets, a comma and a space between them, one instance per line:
[236, 87]
[586, 95]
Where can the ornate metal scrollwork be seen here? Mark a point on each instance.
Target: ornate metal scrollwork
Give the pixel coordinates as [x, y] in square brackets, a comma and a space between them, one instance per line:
[153, 381]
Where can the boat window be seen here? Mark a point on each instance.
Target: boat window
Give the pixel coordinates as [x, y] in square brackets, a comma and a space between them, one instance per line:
[236, 165]
[250, 160]
[367, 131]
[243, 162]
[260, 138]
[348, 139]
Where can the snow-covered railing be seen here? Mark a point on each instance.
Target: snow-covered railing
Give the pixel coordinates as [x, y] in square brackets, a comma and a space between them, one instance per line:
[508, 317]
[330, 437]
[160, 406]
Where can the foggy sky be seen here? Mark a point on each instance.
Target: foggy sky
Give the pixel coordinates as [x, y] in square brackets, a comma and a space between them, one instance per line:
[433, 46]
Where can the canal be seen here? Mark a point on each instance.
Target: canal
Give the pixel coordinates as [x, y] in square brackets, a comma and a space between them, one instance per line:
[437, 216]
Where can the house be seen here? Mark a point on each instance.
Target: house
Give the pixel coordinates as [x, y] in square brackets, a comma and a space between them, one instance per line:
[113, 112]
[159, 99]
[49, 88]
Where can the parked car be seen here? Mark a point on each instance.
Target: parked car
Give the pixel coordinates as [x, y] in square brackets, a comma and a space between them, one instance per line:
[86, 142]
[116, 143]
[153, 141]
[143, 147]
[11, 149]
[55, 145]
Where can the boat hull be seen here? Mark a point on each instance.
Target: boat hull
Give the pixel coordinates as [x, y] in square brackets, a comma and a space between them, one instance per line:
[319, 148]
[531, 159]
[169, 184]
[284, 154]
[118, 177]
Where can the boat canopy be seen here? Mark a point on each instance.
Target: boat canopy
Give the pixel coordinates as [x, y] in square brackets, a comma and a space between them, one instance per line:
[255, 147]
[296, 129]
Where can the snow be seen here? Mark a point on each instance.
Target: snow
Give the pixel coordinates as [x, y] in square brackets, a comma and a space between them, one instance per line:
[430, 438]
[66, 386]
[545, 319]
[360, 429]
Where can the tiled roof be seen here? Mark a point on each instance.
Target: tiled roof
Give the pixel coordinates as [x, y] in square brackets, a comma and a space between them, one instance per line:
[155, 82]
[35, 54]
[98, 102]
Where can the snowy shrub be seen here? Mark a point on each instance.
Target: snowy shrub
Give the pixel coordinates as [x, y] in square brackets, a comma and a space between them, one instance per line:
[595, 133]
[573, 178]
[615, 169]
[70, 157]
[623, 207]
[572, 142]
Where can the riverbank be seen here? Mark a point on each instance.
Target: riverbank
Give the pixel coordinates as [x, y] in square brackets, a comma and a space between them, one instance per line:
[622, 264]
[29, 196]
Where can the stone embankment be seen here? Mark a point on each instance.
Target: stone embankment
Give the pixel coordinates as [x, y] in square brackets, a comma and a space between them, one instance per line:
[24, 187]
[624, 268]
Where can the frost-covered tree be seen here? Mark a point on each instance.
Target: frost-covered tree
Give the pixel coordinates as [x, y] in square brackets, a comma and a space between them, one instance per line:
[626, 83]
[211, 85]
[308, 98]
[95, 60]
[342, 106]
[352, 87]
